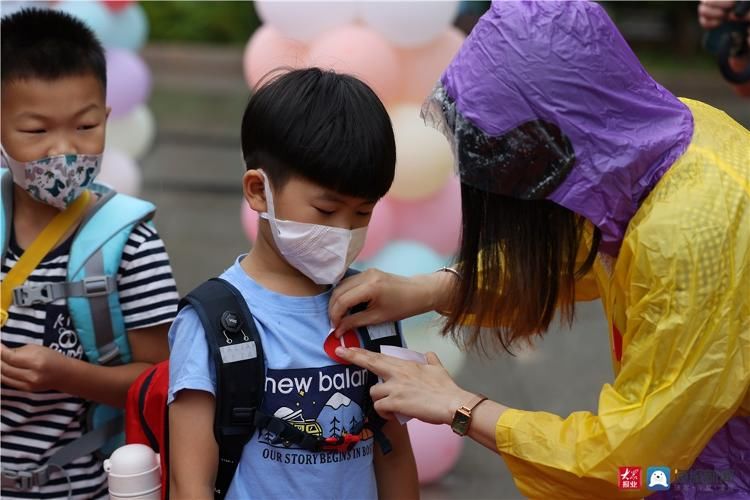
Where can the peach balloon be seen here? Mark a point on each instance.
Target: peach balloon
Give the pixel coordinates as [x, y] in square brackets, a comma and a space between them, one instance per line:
[422, 66]
[362, 52]
[380, 230]
[435, 221]
[267, 50]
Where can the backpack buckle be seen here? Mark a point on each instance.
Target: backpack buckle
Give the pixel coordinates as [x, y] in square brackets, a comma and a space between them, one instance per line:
[29, 295]
[243, 416]
[96, 286]
[24, 480]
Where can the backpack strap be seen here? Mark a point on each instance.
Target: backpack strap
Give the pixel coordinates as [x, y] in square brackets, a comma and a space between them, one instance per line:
[373, 337]
[235, 347]
[6, 221]
[92, 270]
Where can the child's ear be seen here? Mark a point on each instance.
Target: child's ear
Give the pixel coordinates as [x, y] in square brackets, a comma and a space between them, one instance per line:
[253, 188]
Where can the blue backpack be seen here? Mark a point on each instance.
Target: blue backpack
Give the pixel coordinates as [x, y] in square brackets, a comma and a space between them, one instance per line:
[94, 305]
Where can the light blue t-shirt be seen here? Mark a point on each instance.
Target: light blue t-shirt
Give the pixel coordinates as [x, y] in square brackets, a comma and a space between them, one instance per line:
[302, 385]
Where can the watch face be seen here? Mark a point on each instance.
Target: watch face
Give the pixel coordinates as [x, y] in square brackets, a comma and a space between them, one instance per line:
[460, 423]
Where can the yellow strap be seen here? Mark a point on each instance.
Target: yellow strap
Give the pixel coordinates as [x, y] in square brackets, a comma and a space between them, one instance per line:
[46, 241]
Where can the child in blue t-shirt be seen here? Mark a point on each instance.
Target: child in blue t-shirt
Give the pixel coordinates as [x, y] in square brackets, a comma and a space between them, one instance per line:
[320, 153]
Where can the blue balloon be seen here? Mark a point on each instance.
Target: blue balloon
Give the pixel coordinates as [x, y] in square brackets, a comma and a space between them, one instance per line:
[407, 258]
[10, 7]
[94, 14]
[129, 29]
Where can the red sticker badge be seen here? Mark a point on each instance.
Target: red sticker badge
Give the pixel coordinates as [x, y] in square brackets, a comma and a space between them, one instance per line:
[350, 339]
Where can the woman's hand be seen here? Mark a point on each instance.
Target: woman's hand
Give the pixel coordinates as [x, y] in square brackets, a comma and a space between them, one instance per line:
[388, 297]
[426, 392]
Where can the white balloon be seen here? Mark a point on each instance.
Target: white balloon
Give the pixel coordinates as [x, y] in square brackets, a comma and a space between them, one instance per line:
[422, 334]
[410, 23]
[133, 133]
[424, 162]
[305, 20]
[120, 172]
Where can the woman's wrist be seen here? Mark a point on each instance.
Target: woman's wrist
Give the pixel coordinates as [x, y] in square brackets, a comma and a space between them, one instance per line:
[439, 289]
[454, 402]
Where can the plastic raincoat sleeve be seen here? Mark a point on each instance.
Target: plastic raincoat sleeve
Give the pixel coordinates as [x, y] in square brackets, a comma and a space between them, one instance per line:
[681, 279]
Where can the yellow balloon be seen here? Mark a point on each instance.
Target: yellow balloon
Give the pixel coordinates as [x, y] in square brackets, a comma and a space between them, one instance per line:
[423, 157]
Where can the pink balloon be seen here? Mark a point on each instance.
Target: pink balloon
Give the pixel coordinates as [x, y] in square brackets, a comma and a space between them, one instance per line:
[380, 230]
[267, 50]
[435, 222]
[422, 66]
[249, 218]
[128, 81]
[436, 449]
[362, 52]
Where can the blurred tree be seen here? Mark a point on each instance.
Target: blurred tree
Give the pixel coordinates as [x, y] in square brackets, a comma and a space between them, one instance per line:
[205, 22]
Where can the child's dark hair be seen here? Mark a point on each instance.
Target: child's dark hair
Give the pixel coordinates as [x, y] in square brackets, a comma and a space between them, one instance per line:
[48, 44]
[327, 127]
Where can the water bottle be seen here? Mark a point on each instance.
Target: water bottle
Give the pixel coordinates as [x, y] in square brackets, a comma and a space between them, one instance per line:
[134, 473]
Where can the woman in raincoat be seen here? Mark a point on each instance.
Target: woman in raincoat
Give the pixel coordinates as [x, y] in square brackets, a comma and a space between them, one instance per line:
[583, 178]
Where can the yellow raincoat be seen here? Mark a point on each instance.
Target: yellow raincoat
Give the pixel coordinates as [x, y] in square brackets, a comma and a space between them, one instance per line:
[677, 299]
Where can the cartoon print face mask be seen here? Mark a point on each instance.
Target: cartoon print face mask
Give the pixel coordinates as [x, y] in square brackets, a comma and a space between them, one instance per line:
[55, 180]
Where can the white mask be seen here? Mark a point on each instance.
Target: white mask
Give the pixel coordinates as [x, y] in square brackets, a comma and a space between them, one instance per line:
[322, 253]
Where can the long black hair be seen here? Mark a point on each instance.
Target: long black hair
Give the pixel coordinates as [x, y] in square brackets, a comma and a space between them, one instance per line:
[519, 261]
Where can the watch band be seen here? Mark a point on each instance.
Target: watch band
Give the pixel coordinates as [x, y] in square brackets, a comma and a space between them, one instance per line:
[474, 402]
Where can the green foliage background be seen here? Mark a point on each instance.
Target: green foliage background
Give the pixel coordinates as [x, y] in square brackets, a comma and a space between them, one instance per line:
[219, 22]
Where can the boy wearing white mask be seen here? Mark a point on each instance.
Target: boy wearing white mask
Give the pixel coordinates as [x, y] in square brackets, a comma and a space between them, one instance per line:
[320, 153]
[70, 338]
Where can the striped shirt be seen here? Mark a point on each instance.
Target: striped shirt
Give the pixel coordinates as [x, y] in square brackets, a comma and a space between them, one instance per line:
[35, 425]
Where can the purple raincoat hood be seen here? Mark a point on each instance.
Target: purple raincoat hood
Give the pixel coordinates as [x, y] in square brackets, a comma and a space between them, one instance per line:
[565, 63]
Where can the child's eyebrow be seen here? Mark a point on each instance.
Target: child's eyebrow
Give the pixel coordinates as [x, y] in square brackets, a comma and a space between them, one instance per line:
[339, 199]
[31, 114]
[86, 109]
[39, 116]
[330, 197]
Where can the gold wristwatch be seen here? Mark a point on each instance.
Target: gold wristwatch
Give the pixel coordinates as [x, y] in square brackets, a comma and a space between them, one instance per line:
[462, 417]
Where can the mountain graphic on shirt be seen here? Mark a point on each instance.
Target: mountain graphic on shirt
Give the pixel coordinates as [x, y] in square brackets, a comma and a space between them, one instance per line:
[340, 414]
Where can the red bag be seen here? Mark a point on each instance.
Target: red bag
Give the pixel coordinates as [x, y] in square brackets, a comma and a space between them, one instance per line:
[147, 418]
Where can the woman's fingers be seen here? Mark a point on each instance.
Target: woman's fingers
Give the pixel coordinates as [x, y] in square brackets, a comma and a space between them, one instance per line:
[381, 407]
[339, 308]
[364, 318]
[432, 359]
[351, 292]
[379, 391]
[373, 361]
